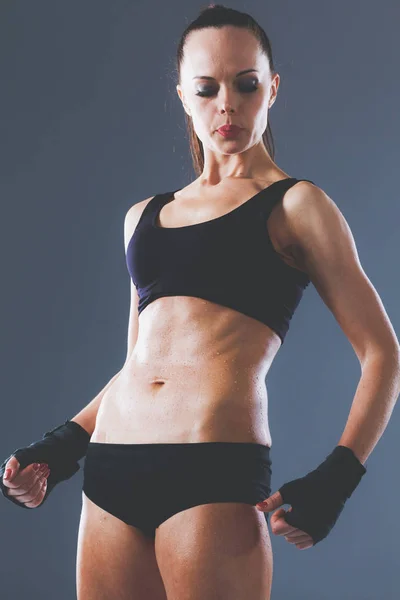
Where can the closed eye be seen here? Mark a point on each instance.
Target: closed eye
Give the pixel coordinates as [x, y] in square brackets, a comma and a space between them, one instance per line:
[246, 88]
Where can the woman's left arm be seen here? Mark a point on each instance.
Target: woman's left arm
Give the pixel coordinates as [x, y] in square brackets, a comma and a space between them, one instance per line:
[328, 253]
[325, 249]
[373, 403]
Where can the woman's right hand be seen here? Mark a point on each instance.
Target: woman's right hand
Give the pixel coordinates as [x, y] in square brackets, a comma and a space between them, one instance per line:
[27, 486]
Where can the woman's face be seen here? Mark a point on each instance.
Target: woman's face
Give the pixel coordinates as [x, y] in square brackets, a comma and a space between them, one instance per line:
[214, 93]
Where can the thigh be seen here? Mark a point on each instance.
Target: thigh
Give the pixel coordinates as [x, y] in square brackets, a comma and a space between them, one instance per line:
[217, 550]
[212, 542]
[115, 561]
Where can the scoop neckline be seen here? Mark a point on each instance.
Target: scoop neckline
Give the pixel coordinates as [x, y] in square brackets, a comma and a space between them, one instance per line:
[234, 210]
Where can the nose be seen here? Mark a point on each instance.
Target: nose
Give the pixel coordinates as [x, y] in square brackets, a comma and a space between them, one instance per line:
[225, 101]
[226, 108]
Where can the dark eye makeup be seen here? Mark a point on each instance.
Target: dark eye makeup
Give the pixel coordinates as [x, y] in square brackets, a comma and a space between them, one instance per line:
[244, 87]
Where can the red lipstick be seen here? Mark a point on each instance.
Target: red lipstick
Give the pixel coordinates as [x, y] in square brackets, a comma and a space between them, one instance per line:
[229, 130]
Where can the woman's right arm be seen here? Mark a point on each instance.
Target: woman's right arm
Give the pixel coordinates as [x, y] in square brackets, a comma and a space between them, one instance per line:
[86, 418]
[67, 439]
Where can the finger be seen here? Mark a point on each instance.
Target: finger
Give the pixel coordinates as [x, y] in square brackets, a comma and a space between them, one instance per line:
[304, 545]
[279, 526]
[278, 514]
[11, 478]
[20, 479]
[298, 537]
[11, 469]
[23, 478]
[274, 501]
[23, 487]
[297, 534]
[28, 495]
[12, 463]
[283, 530]
[35, 502]
[24, 490]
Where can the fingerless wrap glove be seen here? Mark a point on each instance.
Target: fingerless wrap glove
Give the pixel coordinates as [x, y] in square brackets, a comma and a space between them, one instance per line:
[318, 498]
[60, 448]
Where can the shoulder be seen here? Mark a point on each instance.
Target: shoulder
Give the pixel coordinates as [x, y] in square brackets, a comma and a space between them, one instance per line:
[303, 207]
[136, 209]
[132, 218]
[307, 204]
[312, 220]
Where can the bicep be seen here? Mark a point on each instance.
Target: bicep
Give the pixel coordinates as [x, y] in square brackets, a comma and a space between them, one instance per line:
[131, 220]
[130, 223]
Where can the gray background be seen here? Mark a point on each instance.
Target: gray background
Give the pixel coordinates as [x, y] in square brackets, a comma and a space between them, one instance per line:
[91, 124]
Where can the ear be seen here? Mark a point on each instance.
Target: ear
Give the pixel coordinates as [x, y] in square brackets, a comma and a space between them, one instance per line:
[182, 97]
[274, 89]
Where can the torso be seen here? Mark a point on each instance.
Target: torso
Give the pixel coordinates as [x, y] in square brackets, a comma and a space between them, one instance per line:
[197, 372]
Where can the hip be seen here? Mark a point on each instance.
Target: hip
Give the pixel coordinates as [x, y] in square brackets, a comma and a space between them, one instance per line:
[137, 413]
[145, 484]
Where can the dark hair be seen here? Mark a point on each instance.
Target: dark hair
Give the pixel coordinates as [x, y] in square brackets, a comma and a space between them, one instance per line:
[217, 15]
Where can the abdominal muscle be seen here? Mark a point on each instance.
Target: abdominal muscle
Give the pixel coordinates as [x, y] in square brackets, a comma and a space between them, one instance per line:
[196, 374]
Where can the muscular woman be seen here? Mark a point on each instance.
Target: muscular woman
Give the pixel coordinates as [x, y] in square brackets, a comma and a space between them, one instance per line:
[178, 465]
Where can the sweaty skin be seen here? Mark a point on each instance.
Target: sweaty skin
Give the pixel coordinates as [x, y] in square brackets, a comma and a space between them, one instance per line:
[197, 372]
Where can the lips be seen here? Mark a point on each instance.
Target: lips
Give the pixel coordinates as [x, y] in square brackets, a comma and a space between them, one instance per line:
[229, 129]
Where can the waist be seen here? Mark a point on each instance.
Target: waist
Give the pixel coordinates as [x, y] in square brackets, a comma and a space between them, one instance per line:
[133, 411]
[187, 452]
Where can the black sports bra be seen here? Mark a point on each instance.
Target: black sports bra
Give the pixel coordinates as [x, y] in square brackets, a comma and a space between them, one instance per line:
[229, 260]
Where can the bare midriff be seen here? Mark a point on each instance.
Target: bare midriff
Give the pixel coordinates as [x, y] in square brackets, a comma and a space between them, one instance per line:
[197, 374]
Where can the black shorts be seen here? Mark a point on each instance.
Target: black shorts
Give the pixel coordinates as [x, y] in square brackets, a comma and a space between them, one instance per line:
[145, 484]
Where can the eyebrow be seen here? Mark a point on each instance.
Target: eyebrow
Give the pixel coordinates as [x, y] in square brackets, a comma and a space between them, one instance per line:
[237, 74]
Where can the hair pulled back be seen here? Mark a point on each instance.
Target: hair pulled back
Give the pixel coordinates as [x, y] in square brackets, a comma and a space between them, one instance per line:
[217, 15]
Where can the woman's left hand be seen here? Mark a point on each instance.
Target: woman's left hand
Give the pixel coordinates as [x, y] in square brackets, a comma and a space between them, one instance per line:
[280, 527]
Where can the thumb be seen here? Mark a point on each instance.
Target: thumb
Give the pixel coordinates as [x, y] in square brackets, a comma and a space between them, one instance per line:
[11, 468]
[271, 503]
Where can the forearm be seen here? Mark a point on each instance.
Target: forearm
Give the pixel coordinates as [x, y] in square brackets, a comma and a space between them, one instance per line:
[86, 418]
[372, 407]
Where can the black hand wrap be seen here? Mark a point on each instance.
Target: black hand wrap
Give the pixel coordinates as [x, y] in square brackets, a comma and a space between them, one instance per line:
[318, 498]
[60, 448]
